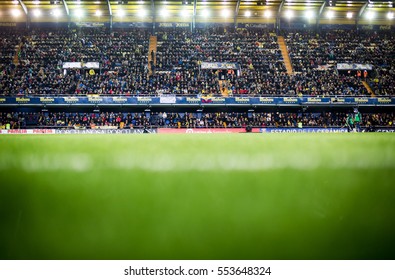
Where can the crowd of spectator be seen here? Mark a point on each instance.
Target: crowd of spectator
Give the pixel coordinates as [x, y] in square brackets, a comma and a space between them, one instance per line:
[317, 54]
[260, 70]
[187, 119]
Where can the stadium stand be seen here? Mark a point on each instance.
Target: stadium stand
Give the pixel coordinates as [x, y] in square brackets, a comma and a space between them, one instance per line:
[123, 56]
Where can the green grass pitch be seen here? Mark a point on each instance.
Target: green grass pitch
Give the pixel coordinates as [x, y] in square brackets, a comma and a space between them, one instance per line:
[232, 196]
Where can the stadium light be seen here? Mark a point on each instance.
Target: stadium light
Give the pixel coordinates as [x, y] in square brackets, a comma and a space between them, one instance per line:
[184, 13]
[247, 13]
[390, 15]
[79, 13]
[349, 15]
[225, 13]
[289, 14]
[164, 12]
[57, 13]
[121, 13]
[370, 15]
[15, 12]
[142, 12]
[267, 14]
[37, 13]
[330, 14]
[98, 13]
[206, 13]
[15, 2]
[309, 14]
[36, 2]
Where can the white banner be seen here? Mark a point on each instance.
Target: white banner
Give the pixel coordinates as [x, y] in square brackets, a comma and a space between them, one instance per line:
[354, 66]
[168, 99]
[218, 65]
[200, 270]
[78, 65]
[67, 65]
[91, 65]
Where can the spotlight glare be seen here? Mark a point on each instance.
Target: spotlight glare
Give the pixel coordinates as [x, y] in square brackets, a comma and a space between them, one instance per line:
[247, 13]
[142, 12]
[225, 13]
[349, 15]
[206, 13]
[330, 14]
[267, 14]
[121, 13]
[98, 13]
[309, 14]
[390, 15]
[370, 15]
[289, 14]
[15, 12]
[164, 12]
[56, 13]
[79, 13]
[37, 12]
[184, 13]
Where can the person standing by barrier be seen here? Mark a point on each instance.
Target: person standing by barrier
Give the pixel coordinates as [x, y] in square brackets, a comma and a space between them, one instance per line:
[350, 123]
[357, 120]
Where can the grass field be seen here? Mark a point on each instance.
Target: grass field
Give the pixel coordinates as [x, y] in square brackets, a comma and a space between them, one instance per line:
[234, 196]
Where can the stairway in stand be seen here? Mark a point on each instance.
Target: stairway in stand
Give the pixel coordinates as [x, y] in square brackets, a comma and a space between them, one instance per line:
[368, 88]
[284, 52]
[16, 57]
[152, 53]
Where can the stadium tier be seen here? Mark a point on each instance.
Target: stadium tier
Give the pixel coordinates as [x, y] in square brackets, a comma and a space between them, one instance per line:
[207, 62]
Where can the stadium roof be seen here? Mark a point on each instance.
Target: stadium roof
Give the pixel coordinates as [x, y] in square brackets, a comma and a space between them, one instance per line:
[220, 11]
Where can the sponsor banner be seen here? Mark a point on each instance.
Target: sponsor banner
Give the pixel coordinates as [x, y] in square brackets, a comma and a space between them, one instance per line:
[188, 100]
[90, 24]
[217, 100]
[173, 24]
[240, 100]
[288, 100]
[167, 99]
[218, 65]
[27, 131]
[203, 130]
[354, 66]
[303, 130]
[106, 131]
[385, 129]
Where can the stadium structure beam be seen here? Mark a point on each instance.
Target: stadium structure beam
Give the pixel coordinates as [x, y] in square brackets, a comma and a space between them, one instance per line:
[237, 12]
[110, 12]
[361, 11]
[25, 10]
[66, 8]
[23, 7]
[278, 17]
[194, 15]
[321, 10]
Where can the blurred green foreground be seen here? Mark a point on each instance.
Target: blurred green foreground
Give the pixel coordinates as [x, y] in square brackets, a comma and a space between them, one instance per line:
[233, 196]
